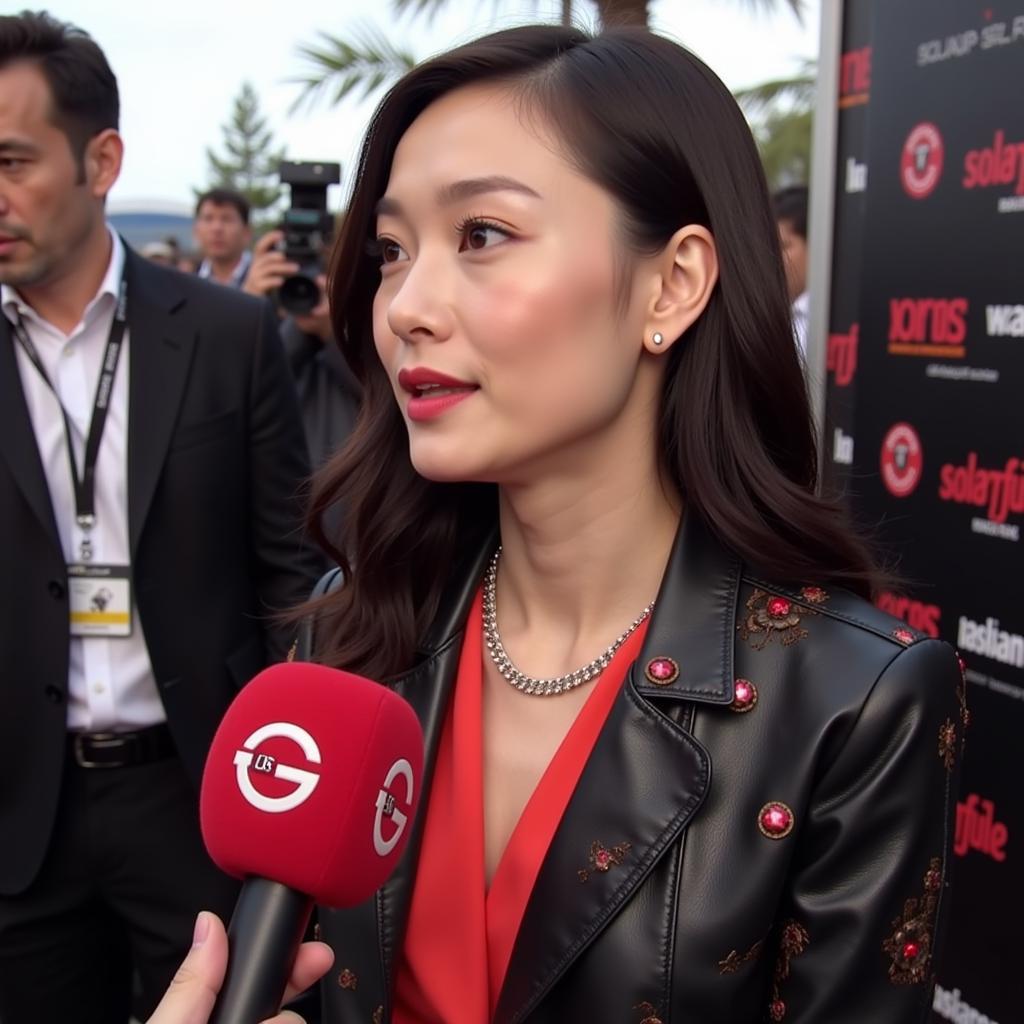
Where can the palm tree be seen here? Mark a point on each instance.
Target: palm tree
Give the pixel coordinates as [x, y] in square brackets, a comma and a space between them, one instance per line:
[338, 67]
[781, 114]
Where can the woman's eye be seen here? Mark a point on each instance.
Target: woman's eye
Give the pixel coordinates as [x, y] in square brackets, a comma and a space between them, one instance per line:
[478, 235]
[390, 251]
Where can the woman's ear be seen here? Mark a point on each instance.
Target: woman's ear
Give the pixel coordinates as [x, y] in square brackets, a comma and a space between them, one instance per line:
[685, 274]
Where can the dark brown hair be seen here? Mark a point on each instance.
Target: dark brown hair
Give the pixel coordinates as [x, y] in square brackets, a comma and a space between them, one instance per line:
[224, 197]
[654, 126]
[84, 89]
[790, 204]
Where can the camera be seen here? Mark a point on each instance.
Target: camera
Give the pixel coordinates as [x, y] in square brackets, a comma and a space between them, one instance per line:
[308, 229]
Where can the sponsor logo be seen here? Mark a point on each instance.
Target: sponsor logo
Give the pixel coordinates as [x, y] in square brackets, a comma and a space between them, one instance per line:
[977, 829]
[948, 1004]
[842, 355]
[1000, 164]
[263, 764]
[998, 491]
[842, 448]
[855, 78]
[387, 807]
[921, 160]
[916, 614]
[936, 50]
[856, 176]
[963, 44]
[1004, 321]
[988, 640]
[974, 374]
[928, 327]
[902, 460]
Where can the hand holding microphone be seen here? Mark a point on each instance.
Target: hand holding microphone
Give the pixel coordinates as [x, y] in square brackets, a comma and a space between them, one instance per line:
[308, 795]
[192, 994]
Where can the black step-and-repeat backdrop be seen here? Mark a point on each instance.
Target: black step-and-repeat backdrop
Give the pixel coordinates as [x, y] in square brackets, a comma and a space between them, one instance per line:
[925, 407]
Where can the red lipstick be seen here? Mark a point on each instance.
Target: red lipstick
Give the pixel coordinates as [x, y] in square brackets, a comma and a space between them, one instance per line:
[432, 392]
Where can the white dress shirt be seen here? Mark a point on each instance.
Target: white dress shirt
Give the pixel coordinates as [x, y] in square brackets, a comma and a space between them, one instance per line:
[110, 679]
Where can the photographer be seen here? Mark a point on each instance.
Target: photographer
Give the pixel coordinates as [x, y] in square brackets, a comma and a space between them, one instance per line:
[328, 392]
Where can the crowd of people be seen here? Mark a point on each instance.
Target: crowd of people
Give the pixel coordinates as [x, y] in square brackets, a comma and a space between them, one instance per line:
[585, 408]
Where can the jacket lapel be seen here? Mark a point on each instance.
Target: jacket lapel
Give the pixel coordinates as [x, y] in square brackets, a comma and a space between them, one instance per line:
[20, 449]
[160, 353]
[428, 688]
[644, 781]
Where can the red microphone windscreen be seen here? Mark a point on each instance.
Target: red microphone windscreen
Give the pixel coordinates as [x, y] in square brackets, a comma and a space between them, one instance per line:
[312, 780]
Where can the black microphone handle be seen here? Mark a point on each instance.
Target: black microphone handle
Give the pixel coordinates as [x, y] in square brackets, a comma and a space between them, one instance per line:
[263, 939]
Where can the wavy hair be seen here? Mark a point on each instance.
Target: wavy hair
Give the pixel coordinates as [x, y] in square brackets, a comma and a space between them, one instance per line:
[654, 126]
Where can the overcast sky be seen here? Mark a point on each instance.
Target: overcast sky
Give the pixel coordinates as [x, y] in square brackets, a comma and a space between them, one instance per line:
[180, 63]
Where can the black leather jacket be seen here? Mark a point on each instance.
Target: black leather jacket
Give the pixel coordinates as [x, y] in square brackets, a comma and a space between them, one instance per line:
[672, 891]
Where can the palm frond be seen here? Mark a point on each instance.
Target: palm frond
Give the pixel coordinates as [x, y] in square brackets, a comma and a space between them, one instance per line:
[338, 67]
[427, 7]
[770, 6]
[797, 91]
[430, 8]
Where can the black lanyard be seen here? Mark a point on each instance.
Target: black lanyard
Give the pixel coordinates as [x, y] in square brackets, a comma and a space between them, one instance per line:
[85, 485]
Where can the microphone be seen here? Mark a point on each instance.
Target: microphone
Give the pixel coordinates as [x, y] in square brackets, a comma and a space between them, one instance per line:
[308, 795]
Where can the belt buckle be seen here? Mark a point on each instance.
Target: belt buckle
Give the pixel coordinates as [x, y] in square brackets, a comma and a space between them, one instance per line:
[77, 747]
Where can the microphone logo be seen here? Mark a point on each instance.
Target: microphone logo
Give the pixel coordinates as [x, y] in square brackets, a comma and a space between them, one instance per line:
[305, 781]
[387, 808]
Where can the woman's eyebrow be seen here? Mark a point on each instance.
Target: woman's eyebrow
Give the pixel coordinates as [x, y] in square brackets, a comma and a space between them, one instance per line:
[459, 191]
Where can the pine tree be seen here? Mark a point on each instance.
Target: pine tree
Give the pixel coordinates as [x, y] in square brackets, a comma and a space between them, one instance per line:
[249, 164]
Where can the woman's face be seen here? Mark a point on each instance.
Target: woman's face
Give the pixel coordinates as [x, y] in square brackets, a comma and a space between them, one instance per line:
[497, 318]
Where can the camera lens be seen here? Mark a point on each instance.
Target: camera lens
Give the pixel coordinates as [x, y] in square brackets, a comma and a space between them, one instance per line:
[298, 294]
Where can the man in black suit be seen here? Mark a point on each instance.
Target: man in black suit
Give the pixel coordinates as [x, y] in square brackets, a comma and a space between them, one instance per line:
[140, 576]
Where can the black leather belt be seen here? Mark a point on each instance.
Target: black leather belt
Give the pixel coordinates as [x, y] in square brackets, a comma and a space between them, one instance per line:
[121, 749]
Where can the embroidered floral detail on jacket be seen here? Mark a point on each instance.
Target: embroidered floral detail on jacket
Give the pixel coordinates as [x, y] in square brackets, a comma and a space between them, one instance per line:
[650, 1013]
[603, 858]
[792, 943]
[771, 616]
[293, 650]
[961, 695]
[734, 961]
[910, 945]
[378, 1016]
[814, 595]
[947, 744]
[347, 980]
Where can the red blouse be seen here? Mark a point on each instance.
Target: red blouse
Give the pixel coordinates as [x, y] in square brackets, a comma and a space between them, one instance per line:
[460, 933]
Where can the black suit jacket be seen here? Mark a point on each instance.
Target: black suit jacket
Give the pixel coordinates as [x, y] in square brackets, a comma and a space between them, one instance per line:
[216, 464]
[858, 727]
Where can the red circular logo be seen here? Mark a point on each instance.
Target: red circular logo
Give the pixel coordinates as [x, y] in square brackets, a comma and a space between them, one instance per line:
[902, 460]
[921, 161]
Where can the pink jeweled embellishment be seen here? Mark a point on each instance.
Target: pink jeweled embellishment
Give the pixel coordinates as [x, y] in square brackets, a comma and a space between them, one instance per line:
[603, 858]
[744, 696]
[775, 820]
[904, 636]
[662, 671]
[814, 595]
[779, 607]
[348, 980]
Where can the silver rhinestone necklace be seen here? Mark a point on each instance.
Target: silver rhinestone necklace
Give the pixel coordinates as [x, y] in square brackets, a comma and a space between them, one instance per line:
[528, 684]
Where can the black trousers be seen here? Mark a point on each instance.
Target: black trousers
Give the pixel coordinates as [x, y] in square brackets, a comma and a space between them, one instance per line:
[115, 901]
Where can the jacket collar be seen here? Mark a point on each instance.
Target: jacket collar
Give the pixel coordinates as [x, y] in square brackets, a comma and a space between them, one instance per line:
[624, 795]
[692, 624]
[694, 619]
[161, 343]
[160, 354]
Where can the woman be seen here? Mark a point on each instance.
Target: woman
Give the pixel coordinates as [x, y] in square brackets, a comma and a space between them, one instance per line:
[560, 284]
